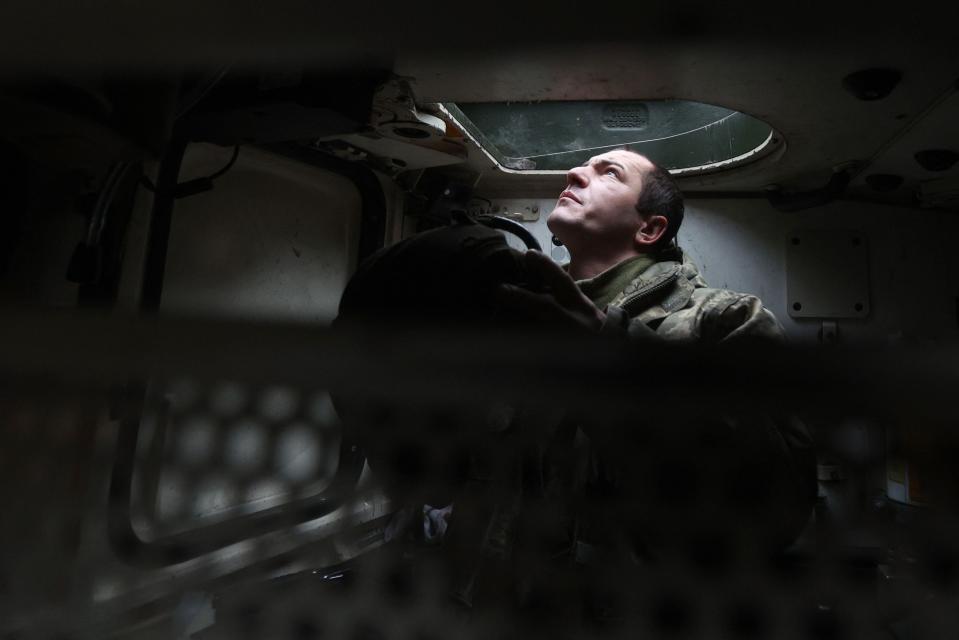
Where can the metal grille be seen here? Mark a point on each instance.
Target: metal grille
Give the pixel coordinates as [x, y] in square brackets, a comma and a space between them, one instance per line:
[207, 452]
[322, 556]
[625, 116]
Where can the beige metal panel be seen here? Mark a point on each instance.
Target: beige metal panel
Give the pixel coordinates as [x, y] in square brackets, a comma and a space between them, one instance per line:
[275, 239]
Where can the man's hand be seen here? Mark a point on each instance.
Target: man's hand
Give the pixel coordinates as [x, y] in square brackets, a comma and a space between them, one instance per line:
[563, 304]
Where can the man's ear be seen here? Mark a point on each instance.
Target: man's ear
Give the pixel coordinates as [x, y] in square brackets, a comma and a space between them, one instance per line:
[651, 229]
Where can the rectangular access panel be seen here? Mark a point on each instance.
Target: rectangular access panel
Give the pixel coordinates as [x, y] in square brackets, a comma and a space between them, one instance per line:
[827, 274]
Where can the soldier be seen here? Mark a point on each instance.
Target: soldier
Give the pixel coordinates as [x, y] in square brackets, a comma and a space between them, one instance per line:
[598, 481]
[618, 216]
[704, 482]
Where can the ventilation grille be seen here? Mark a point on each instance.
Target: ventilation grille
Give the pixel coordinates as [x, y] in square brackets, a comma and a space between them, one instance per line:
[618, 117]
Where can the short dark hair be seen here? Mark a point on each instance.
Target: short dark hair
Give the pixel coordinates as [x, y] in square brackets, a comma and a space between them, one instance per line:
[661, 196]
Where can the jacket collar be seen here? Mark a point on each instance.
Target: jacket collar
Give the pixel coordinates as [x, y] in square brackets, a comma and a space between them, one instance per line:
[605, 287]
[666, 286]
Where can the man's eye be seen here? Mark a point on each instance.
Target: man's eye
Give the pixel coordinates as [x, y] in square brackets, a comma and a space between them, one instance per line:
[612, 172]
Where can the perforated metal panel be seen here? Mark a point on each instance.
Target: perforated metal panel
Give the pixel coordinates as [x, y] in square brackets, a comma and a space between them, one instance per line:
[207, 452]
[871, 569]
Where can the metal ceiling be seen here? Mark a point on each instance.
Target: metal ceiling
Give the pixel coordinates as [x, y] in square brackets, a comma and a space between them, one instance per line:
[797, 89]
[783, 64]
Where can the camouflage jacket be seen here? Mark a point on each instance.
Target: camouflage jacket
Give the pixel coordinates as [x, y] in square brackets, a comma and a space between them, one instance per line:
[671, 300]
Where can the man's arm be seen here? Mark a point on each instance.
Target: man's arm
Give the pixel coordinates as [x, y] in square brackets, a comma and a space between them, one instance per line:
[563, 302]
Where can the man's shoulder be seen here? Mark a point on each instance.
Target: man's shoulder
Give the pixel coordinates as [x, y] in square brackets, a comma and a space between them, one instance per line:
[718, 314]
[717, 300]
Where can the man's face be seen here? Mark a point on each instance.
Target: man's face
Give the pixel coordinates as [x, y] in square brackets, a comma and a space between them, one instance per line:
[599, 202]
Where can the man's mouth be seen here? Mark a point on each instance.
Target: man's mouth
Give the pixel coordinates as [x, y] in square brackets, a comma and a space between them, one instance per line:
[572, 196]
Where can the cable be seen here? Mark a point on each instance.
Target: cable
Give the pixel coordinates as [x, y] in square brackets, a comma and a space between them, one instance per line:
[229, 165]
[104, 200]
[85, 266]
[202, 93]
[196, 185]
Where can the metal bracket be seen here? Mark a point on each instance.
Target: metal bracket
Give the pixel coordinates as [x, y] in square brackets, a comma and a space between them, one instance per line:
[395, 114]
[829, 334]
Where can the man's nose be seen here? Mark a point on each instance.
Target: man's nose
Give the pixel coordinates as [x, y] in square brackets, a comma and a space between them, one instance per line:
[577, 176]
